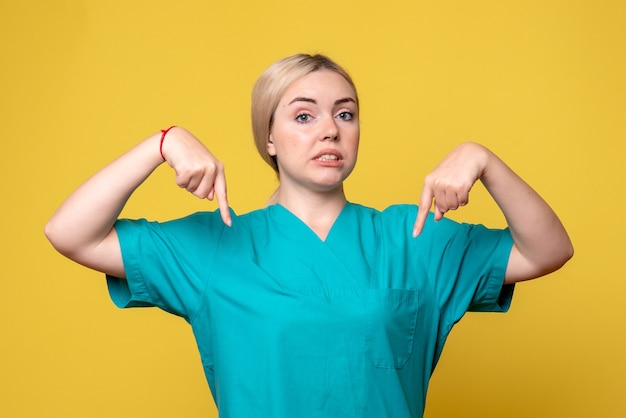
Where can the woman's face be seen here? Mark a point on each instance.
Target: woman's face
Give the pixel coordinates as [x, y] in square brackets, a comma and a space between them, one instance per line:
[315, 134]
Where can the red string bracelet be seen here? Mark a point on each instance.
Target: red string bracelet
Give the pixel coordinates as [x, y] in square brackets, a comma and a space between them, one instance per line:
[163, 133]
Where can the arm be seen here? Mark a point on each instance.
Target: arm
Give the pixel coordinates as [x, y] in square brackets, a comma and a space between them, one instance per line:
[82, 228]
[541, 244]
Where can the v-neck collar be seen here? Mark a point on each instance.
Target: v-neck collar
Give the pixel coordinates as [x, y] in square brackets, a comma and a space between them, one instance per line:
[296, 222]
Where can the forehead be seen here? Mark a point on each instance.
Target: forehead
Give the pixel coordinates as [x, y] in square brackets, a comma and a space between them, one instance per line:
[319, 85]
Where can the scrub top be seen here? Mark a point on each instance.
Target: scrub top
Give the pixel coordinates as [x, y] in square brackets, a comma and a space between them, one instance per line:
[289, 325]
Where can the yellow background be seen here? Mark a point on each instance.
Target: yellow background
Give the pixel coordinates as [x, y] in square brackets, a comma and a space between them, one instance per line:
[542, 83]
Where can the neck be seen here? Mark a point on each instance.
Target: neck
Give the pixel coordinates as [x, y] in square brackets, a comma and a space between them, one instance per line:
[318, 210]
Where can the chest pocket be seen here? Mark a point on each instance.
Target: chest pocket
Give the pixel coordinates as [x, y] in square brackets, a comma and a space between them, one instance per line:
[391, 324]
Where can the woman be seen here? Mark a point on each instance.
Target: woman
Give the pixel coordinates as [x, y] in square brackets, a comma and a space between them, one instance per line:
[312, 306]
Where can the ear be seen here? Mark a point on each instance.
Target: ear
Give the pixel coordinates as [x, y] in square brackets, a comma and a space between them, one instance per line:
[271, 149]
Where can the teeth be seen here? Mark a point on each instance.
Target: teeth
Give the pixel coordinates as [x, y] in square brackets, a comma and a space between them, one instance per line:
[327, 157]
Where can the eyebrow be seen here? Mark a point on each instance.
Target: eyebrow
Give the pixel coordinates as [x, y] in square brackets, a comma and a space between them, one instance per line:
[309, 100]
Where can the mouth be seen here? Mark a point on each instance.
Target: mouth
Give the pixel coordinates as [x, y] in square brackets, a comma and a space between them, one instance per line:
[328, 155]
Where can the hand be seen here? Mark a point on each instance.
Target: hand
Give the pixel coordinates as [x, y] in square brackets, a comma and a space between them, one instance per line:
[450, 182]
[197, 169]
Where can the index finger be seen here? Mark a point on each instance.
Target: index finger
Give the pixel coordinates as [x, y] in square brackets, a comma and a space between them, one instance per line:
[219, 191]
[426, 200]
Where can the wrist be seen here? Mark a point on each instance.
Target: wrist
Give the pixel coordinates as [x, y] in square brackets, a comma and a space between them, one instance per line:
[482, 157]
[162, 140]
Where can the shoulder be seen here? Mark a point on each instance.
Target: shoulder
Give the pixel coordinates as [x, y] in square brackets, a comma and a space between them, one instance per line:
[400, 210]
[198, 224]
[214, 218]
[252, 218]
[395, 209]
[254, 225]
[391, 223]
[394, 215]
[396, 222]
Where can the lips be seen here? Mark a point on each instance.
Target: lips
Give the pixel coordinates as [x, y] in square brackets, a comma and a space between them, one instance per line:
[328, 155]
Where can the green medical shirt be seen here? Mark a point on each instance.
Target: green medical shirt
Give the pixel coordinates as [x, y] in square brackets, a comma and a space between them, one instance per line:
[288, 325]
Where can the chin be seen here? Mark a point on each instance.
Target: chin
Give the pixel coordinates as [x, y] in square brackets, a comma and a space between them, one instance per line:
[329, 186]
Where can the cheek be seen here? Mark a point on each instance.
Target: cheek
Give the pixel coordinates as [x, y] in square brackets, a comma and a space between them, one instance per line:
[292, 142]
[353, 138]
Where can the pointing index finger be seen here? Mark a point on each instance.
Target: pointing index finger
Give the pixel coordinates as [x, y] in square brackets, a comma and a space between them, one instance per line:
[426, 200]
[219, 189]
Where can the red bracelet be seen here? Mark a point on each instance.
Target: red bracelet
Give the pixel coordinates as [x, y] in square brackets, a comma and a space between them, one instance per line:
[163, 133]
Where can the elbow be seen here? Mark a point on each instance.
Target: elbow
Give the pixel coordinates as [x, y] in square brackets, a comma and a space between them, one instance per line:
[566, 251]
[55, 236]
[52, 235]
[557, 251]
[567, 254]
[49, 232]
[524, 267]
[559, 258]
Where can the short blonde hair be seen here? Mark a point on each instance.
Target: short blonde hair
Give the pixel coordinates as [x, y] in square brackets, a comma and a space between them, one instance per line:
[272, 84]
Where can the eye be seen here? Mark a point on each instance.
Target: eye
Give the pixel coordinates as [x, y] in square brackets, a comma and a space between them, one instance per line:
[303, 117]
[346, 116]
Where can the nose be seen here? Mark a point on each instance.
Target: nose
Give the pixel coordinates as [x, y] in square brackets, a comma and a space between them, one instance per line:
[330, 130]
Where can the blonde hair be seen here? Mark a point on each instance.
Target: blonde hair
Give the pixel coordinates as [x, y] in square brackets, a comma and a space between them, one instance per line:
[270, 87]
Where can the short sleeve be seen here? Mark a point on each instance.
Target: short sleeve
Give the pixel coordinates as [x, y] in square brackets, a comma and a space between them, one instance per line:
[466, 265]
[167, 264]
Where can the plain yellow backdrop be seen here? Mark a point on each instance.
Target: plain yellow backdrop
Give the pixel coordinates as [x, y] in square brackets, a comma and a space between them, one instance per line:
[542, 83]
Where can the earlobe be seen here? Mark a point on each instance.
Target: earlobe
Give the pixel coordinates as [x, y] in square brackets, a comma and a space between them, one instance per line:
[271, 150]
